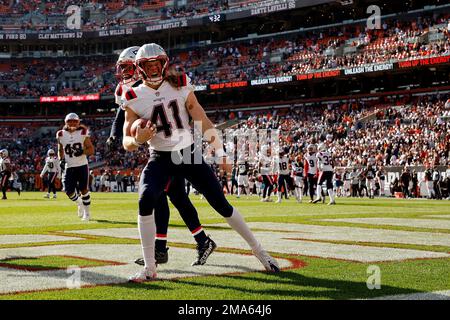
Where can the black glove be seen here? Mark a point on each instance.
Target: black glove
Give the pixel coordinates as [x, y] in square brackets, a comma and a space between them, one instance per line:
[111, 144]
[62, 164]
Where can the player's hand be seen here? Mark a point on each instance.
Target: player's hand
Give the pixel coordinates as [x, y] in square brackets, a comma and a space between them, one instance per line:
[41, 176]
[145, 134]
[224, 164]
[111, 144]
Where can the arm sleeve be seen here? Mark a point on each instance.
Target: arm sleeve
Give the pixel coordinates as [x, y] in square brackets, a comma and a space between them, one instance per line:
[117, 125]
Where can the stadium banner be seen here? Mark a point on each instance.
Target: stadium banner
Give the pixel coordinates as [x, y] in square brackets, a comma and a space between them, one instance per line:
[86, 97]
[369, 68]
[271, 80]
[225, 85]
[423, 62]
[318, 75]
[274, 6]
[203, 87]
[167, 25]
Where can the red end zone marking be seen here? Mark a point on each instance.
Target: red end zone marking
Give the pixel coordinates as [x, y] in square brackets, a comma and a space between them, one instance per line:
[296, 263]
[106, 263]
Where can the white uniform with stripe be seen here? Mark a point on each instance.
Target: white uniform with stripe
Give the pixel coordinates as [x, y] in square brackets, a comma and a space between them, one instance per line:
[243, 173]
[324, 161]
[297, 173]
[120, 90]
[283, 166]
[325, 164]
[311, 161]
[51, 166]
[4, 162]
[73, 143]
[165, 107]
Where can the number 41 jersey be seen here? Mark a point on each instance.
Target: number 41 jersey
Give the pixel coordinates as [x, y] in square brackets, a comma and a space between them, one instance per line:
[73, 143]
[165, 107]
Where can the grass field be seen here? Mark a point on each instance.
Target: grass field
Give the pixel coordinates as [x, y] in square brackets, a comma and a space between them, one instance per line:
[323, 259]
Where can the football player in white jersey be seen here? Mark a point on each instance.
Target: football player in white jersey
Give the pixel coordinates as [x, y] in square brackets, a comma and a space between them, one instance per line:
[266, 166]
[311, 169]
[283, 175]
[168, 101]
[325, 164]
[5, 171]
[127, 76]
[74, 146]
[381, 178]
[370, 174]
[297, 173]
[53, 168]
[242, 173]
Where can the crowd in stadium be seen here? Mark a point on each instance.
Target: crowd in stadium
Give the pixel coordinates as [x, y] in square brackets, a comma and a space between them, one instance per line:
[241, 61]
[50, 14]
[412, 132]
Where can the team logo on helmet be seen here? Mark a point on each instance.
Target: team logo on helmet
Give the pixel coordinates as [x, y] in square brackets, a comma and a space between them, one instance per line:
[125, 67]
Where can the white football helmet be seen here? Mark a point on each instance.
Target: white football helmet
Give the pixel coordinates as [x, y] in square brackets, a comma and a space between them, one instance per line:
[322, 147]
[50, 153]
[4, 153]
[151, 52]
[72, 116]
[125, 67]
[311, 148]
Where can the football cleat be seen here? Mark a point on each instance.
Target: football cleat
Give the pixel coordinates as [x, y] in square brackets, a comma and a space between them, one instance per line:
[204, 251]
[54, 196]
[161, 257]
[86, 214]
[47, 196]
[143, 276]
[269, 263]
[317, 201]
[332, 203]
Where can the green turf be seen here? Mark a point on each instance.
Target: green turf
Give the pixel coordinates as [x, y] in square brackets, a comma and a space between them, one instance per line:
[320, 279]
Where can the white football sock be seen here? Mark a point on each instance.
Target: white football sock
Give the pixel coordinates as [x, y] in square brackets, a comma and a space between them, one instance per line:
[331, 194]
[147, 232]
[236, 221]
[319, 192]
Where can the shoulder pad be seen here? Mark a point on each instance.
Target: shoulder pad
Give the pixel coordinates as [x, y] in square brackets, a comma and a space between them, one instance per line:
[119, 90]
[137, 83]
[130, 95]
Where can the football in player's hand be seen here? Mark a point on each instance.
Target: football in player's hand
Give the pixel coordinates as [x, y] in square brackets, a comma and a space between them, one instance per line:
[139, 122]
